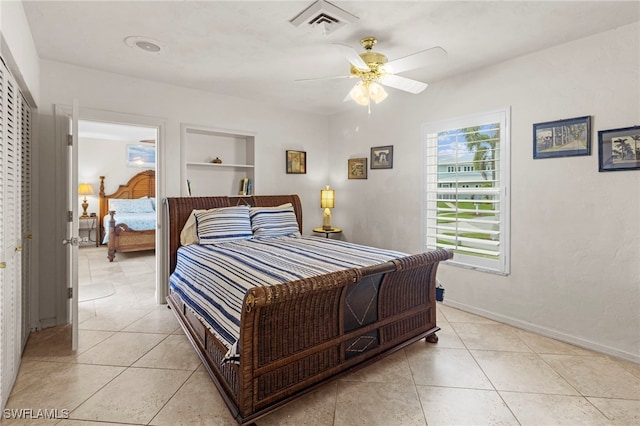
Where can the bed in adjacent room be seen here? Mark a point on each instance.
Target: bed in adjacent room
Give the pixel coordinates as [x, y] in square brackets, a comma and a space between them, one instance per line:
[128, 216]
[273, 314]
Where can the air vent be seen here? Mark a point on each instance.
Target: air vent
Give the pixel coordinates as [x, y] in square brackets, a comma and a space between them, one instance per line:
[325, 16]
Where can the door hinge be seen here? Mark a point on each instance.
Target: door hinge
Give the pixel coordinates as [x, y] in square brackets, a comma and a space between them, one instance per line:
[70, 293]
[69, 216]
[69, 140]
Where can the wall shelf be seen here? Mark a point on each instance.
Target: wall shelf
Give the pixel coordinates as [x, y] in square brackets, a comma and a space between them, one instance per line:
[200, 145]
[243, 166]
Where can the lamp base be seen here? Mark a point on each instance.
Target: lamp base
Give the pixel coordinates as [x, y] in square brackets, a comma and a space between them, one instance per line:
[326, 220]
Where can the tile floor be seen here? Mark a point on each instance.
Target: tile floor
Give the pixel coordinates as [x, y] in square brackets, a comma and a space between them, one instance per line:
[135, 366]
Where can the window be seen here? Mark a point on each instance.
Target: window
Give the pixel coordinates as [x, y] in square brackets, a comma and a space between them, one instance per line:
[466, 193]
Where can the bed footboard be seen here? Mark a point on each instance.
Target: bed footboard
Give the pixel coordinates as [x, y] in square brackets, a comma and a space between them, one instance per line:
[124, 239]
[299, 335]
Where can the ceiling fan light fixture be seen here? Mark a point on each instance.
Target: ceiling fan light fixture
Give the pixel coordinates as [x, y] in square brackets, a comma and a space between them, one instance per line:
[360, 94]
[377, 93]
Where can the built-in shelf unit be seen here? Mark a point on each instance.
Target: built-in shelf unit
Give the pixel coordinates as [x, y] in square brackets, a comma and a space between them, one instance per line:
[201, 145]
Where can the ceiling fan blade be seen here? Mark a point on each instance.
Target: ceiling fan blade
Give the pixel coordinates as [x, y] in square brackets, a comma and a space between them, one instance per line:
[416, 60]
[403, 83]
[323, 78]
[352, 56]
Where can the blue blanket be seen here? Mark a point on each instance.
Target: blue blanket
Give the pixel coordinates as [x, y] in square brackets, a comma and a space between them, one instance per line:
[213, 279]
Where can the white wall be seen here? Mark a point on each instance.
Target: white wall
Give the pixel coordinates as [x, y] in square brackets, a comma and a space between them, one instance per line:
[18, 49]
[575, 232]
[276, 131]
[104, 157]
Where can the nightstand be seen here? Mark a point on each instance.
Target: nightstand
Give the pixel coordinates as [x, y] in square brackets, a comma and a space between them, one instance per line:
[86, 225]
[326, 232]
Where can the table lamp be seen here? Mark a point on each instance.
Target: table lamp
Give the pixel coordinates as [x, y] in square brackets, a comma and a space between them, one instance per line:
[327, 198]
[85, 189]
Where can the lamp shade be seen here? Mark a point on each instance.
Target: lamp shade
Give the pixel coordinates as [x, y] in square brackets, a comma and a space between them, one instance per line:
[327, 198]
[86, 189]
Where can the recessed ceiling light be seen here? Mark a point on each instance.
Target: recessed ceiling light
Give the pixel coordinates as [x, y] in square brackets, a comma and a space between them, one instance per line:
[146, 44]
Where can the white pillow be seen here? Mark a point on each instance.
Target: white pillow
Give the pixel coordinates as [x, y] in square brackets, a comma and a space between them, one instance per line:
[270, 222]
[223, 224]
[189, 233]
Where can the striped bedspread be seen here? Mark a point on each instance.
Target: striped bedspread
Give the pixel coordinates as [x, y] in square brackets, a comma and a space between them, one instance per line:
[213, 279]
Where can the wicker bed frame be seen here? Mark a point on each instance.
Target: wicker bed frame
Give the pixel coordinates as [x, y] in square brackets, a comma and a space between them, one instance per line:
[121, 237]
[297, 336]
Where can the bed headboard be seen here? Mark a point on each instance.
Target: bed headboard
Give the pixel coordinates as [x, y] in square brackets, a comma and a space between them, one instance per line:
[178, 210]
[140, 185]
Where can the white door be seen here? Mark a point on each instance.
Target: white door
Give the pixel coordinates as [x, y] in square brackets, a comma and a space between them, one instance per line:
[72, 239]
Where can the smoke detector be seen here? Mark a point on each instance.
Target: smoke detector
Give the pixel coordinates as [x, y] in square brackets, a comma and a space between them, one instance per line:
[324, 15]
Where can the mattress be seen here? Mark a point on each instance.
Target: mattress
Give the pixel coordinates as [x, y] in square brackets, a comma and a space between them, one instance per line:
[213, 279]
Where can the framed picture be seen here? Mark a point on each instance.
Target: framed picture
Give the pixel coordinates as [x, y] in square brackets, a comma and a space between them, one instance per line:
[382, 157]
[141, 156]
[562, 138]
[619, 149]
[296, 162]
[357, 168]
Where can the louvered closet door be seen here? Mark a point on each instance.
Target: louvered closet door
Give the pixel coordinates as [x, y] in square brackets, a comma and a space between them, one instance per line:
[11, 326]
[25, 203]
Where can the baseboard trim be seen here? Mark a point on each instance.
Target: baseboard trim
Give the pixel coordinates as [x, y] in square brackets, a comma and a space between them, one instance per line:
[547, 332]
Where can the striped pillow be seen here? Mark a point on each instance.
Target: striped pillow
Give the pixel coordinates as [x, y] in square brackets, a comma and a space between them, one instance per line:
[223, 224]
[269, 222]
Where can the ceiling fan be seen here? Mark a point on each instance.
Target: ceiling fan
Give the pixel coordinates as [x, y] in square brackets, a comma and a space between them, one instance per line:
[374, 71]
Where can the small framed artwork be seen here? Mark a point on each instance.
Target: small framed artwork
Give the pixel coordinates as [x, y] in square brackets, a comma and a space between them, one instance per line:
[296, 162]
[619, 149]
[382, 157]
[141, 156]
[357, 168]
[562, 138]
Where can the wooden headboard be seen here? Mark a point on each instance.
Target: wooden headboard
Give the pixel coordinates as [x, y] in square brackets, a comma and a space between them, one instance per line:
[140, 185]
[179, 209]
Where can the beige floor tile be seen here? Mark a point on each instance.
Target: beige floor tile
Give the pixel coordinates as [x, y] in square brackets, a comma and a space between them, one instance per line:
[445, 367]
[495, 337]
[545, 345]
[175, 352]
[392, 369]
[537, 409]
[122, 349]
[60, 386]
[314, 409]
[631, 367]
[447, 337]
[621, 412]
[160, 320]
[59, 349]
[27, 418]
[112, 319]
[135, 396]
[455, 315]
[451, 406]
[197, 402]
[521, 372]
[596, 376]
[69, 422]
[360, 403]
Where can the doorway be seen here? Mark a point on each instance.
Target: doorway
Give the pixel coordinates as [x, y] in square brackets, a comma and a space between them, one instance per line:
[112, 295]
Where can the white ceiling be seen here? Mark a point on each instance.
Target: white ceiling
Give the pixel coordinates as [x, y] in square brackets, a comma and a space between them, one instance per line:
[250, 50]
